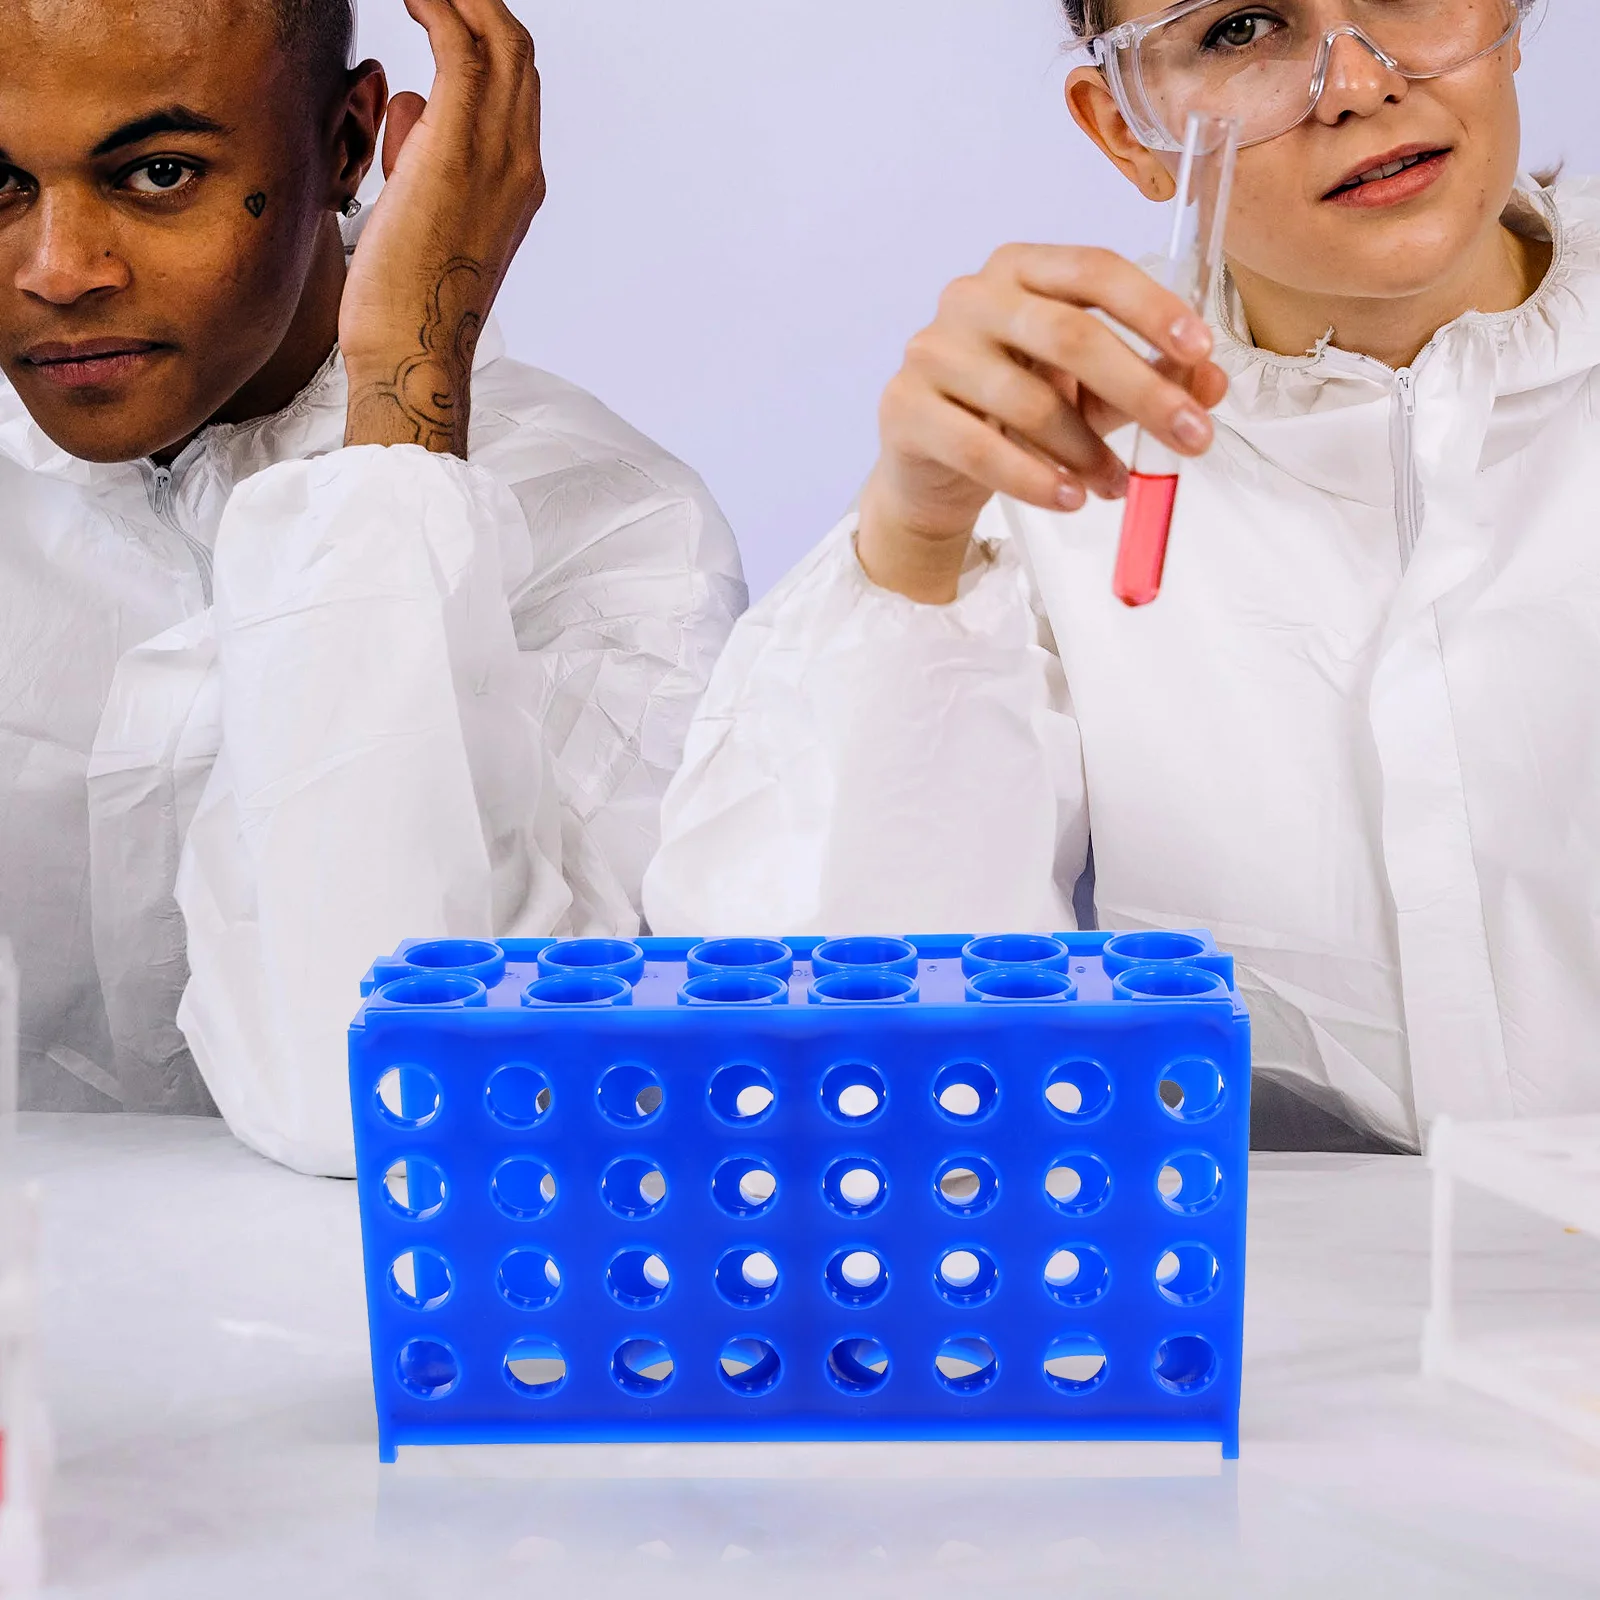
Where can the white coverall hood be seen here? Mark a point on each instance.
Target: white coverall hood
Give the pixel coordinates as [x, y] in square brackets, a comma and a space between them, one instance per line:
[265, 714]
[1358, 736]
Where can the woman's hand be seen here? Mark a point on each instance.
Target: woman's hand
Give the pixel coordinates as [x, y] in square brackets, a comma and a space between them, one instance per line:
[463, 183]
[1012, 391]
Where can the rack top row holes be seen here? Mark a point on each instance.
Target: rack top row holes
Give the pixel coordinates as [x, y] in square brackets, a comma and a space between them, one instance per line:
[1168, 983]
[409, 1096]
[966, 1090]
[863, 986]
[742, 1093]
[415, 1187]
[1156, 945]
[1014, 950]
[620, 958]
[630, 1095]
[734, 989]
[1037, 984]
[634, 1188]
[522, 1188]
[770, 956]
[967, 1186]
[855, 1186]
[1077, 1277]
[471, 958]
[1078, 1090]
[838, 955]
[518, 1096]
[853, 1092]
[579, 989]
[451, 989]
[744, 1187]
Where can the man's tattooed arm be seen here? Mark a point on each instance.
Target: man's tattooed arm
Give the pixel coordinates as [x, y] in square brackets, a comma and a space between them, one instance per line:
[426, 398]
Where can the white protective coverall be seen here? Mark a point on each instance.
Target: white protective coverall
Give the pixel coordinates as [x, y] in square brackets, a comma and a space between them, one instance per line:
[1358, 736]
[339, 698]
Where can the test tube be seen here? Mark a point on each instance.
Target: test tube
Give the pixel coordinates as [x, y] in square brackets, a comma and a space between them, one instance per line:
[1194, 257]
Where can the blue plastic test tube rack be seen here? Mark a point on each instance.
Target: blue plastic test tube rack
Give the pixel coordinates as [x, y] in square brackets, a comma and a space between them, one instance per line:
[869, 1188]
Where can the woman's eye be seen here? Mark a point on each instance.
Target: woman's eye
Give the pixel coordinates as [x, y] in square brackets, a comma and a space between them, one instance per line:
[162, 176]
[1239, 32]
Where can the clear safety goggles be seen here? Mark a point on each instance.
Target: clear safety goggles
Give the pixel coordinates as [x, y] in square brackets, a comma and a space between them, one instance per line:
[1265, 63]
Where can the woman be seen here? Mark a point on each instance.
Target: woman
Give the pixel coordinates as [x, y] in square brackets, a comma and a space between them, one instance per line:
[1359, 735]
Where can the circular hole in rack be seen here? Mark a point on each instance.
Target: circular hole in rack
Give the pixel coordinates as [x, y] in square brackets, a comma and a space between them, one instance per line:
[858, 1366]
[1078, 1091]
[1075, 1363]
[528, 1279]
[619, 957]
[1014, 950]
[753, 955]
[856, 1186]
[518, 1096]
[896, 955]
[966, 1277]
[633, 1187]
[535, 1366]
[745, 1187]
[966, 1365]
[1139, 949]
[420, 1279]
[857, 1278]
[747, 1277]
[522, 1188]
[1188, 1274]
[1078, 1185]
[742, 1093]
[1186, 1364]
[578, 989]
[966, 1185]
[863, 986]
[965, 1091]
[434, 989]
[630, 1095]
[1189, 1182]
[427, 1369]
[409, 1096]
[1169, 983]
[415, 1187]
[853, 1092]
[1076, 1276]
[734, 989]
[1190, 1089]
[642, 1367]
[638, 1278]
[1011, 984]
[476, 956]
[749, 1366]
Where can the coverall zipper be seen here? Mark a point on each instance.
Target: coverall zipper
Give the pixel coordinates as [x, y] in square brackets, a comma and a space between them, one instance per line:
[1407, 487]
[161, 502]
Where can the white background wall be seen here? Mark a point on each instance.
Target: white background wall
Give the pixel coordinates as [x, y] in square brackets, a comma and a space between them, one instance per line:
[754, 203]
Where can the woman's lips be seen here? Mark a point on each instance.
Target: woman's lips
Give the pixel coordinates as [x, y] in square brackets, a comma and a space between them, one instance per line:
[89, 366]
[1393, 191]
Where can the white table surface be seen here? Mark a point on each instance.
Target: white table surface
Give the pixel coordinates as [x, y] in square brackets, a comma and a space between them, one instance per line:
[207, 1369]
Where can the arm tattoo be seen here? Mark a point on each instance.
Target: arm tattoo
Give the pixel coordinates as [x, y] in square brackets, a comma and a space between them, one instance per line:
[431, 389]
[255, 204]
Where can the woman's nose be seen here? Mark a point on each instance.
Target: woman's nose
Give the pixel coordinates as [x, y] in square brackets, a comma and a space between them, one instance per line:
[1358, 81]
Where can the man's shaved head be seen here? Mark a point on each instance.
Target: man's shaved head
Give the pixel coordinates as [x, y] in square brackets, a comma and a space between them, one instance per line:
[320, 33]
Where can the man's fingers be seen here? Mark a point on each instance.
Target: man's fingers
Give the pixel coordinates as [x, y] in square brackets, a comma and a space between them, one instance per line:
[449, 37]
[405, 110]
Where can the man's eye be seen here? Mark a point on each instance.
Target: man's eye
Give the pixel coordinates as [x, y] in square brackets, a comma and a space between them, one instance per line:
[10, 183]
[165, 175]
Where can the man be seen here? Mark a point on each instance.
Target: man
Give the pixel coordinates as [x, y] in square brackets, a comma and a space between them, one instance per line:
[321, 622]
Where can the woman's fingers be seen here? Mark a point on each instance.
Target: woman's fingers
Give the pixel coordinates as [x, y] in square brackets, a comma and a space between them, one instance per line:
[992, 383]
[972, 449]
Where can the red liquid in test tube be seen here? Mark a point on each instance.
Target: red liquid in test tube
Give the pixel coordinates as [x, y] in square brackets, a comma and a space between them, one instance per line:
[1205, 181]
